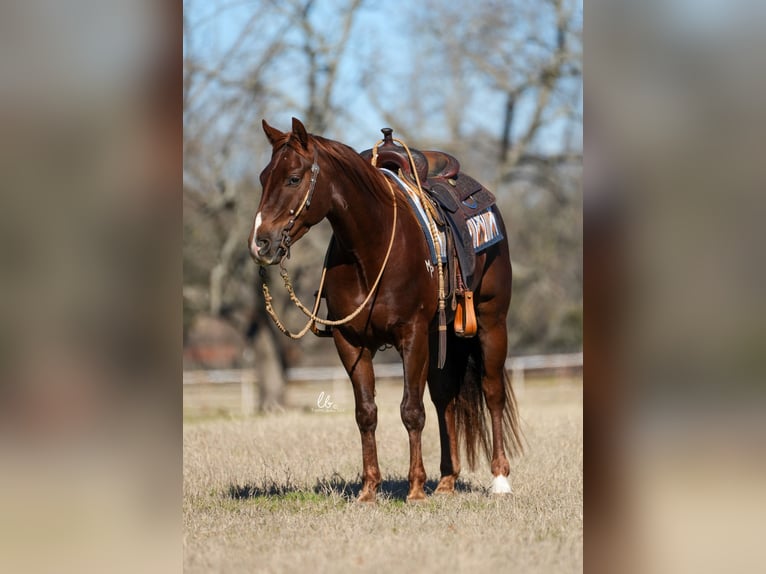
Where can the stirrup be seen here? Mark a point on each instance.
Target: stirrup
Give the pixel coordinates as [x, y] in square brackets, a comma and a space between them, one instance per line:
[465, 317]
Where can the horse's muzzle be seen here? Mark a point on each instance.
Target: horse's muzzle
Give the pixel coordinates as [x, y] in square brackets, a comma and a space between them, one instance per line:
[264, 251]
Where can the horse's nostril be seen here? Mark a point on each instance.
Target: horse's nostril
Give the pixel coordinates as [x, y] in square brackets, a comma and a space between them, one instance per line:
[263, 245]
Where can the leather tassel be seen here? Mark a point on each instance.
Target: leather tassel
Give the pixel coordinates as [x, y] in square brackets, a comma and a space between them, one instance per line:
[442, 335]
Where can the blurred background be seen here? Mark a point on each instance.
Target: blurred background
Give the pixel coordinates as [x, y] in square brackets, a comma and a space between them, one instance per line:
[674, 336]
[90, 323]
[90, 270]
[497, 84]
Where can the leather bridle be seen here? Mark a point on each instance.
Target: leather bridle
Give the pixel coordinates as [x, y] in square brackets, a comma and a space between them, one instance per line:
[286, 240]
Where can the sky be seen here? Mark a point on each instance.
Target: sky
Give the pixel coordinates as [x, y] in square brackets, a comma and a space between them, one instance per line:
[375, 20]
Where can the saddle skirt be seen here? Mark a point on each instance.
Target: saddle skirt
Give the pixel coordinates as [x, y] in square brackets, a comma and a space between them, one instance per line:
[471, 223]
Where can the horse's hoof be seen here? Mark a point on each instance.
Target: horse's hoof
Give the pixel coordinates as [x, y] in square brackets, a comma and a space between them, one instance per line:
[416, 497]
[500, 485]
[445, 486]
[367, 497]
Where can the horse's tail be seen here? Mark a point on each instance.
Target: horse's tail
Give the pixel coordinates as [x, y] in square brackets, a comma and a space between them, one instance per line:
[474, 426]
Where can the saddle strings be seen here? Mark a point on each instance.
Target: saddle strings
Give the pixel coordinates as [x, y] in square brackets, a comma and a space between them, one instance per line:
[431, 216]
[312, 314]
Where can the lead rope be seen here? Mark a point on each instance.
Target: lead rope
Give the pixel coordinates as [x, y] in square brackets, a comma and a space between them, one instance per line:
[312, 315]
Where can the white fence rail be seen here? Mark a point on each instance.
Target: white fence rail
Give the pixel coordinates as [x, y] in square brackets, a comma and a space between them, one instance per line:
[247, 378]
[520, 365]
[517, 366]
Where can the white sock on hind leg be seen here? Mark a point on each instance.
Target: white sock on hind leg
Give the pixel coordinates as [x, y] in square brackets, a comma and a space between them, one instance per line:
[500, 485]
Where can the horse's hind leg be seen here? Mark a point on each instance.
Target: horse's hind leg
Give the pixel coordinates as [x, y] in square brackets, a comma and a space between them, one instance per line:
[494, 341]
[443, 387]
[414, 351]
[358, 364]
[450, 459]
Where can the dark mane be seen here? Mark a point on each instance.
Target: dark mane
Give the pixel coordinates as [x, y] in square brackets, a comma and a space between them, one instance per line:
[346, 160]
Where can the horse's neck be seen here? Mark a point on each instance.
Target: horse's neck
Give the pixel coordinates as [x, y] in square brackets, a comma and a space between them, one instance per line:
[361, 219]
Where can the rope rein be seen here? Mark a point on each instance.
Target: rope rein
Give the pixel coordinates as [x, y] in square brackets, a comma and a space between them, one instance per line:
[312, 314]
[314, 319]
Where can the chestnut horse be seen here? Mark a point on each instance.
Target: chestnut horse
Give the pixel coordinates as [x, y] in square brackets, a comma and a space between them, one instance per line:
[310, 178]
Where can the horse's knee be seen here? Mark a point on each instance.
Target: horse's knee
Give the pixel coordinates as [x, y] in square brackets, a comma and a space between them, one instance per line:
[367, 417]
[413, 416]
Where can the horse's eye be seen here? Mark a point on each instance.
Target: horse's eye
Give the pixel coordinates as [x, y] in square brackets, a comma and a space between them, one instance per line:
[293, 180]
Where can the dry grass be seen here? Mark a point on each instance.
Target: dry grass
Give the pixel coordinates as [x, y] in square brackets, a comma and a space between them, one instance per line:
[272, 494]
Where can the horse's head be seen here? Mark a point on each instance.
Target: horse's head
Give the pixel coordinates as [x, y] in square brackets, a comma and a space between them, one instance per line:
[289, 205]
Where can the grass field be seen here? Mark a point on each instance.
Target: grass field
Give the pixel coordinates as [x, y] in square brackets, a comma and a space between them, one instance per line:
[274, 494]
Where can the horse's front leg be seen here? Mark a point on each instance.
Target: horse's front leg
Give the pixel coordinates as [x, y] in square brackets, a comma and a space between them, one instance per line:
[414, 351]
[358, 364]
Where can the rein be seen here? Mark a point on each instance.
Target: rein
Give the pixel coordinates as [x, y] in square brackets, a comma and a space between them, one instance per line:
[312, 314]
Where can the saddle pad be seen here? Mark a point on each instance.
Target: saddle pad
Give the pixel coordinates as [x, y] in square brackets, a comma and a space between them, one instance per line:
[483, 229]
[482, 226]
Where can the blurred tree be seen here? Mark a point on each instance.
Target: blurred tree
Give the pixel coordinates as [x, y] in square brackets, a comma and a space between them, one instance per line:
[496, 83]
[522, 58]
[226, 92]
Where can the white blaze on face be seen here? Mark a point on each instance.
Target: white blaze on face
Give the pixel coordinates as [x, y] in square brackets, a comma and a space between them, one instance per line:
[500, 485]
[256, 225]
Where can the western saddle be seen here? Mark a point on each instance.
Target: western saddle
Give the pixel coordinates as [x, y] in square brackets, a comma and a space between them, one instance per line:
[457, 197]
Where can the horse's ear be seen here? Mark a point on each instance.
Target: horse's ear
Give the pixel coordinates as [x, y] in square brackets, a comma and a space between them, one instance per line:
[273, 134]
[299, 130]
